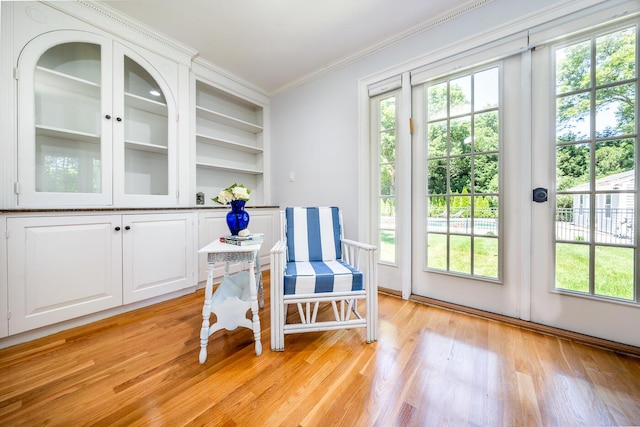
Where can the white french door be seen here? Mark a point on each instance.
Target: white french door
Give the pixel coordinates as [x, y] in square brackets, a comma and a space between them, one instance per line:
[585, 129]
[467, 181]
[560, 115]
[391, 178]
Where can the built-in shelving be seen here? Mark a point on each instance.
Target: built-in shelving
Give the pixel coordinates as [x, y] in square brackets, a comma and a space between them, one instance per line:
[229, 142]
[227, 167]
[145, 104]
[67, 134]
[224, 119]
[225, 143]
[145, 146]
[68, 82]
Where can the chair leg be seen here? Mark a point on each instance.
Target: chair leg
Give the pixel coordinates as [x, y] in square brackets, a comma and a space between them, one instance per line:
[278, 311]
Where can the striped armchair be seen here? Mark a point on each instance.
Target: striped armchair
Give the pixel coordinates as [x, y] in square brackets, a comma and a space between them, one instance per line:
[313, 264]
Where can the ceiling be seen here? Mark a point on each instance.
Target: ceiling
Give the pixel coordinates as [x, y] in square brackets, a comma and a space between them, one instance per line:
[274, 44]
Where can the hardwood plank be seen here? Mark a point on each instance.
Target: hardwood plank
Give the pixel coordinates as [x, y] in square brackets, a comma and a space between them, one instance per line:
[430, 366]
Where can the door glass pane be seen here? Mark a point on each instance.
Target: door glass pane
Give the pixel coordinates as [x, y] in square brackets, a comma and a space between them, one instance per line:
[484, 95]
[460, 254]
[485, 251]
[595, 178]
[437, 176]
[460, 135]
[463, 182]
[67, 118]
[460, 95]
[573, 216]
[614, 115]
[437, 252]
[437, 138]
[438, 102]
[572, 267]
[573, 117]
[614, 272]
[146, 133]
[610, 48]
[387, 179]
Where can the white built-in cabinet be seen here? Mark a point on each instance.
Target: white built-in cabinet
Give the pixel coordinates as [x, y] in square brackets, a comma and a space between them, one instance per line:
[63, 267]
[231, 137]
[4, 306]
[109, 130]
[96, 124]
[158, 253]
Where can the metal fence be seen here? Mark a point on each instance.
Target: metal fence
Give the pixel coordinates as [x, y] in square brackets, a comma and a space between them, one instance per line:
[611, 225]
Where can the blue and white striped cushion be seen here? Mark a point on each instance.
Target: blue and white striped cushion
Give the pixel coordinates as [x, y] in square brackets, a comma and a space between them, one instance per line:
[313, 234]
[310, 277]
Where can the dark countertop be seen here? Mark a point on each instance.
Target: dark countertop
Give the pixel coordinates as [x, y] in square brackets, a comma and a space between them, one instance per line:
[123, 209]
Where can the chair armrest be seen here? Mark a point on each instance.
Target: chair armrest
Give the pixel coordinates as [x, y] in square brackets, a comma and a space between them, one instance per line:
[278, 254]
[359, 245]
[279, 247]
[352, 252]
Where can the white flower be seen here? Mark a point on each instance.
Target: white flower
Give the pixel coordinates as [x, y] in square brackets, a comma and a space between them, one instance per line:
[225, 197]
[240, 193]
[233, 193]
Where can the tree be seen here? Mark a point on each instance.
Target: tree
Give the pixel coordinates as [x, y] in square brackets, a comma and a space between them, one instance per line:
[614, 107]
[455, 138]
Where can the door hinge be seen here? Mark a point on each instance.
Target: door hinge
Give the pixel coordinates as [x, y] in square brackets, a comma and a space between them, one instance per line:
[411, 125]
[6, 234]
[8, 315]
[16, 73]
[16, 187]
[177, 117]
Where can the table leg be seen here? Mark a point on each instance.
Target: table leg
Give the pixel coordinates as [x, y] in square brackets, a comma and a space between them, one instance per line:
[254, 308]
[206, 314]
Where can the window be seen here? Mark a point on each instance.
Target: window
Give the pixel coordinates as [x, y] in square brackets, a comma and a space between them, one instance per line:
[463, 170]
[596, 142]
[386, 139]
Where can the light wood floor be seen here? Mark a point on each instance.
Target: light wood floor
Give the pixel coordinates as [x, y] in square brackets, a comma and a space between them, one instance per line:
[430, 367]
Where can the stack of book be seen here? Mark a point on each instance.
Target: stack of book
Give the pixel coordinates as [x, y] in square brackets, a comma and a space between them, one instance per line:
[251, 239]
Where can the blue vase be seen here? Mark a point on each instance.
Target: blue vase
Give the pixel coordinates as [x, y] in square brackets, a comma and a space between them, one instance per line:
[238, 218]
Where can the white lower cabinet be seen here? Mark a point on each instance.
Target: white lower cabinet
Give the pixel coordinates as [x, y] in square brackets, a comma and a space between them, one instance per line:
[63, 267]
[4, 324]
[158, 254]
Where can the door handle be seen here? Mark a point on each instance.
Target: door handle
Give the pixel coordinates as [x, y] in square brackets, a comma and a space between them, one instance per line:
[540, 195]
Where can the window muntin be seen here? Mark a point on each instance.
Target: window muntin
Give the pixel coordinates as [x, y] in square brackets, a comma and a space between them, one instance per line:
[463, 169]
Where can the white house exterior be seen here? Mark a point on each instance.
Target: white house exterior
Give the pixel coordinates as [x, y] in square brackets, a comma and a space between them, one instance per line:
[614, 208]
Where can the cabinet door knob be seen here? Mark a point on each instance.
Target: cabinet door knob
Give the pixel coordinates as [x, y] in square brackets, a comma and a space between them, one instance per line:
[127, 228]
[108, 117]
[117, 228]
[119, 119]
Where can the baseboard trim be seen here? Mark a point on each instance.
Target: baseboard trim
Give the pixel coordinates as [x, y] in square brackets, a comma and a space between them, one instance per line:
[531, 326]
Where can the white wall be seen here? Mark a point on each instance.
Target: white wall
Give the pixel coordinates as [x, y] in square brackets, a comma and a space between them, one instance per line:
[315, 127]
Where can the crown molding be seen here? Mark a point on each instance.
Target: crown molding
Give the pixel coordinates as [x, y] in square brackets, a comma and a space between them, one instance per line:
[106, 18]
[417, 29]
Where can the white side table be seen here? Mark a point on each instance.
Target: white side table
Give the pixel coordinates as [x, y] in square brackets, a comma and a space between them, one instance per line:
[236, 294]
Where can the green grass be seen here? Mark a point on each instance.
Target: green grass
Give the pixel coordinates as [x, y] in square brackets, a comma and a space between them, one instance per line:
[387, 246]
[613, 265]
[485, 262]
[613, 270]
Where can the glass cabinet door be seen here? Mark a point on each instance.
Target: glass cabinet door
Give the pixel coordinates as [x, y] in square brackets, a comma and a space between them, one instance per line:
[62, 156]
[94, 127]
[67, 119]
[146, 139]
[145, 171]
